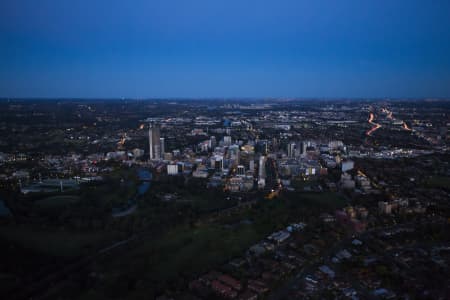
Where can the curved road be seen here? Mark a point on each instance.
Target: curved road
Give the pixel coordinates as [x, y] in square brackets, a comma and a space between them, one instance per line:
[375, 127]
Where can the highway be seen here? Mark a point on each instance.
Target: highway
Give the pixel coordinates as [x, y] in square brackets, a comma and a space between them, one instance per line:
[375, 127]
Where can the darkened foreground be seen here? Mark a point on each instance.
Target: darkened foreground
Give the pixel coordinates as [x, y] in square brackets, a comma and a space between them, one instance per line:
[240, 200]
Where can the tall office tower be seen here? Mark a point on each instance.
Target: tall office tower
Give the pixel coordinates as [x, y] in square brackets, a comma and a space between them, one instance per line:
[154, 141]
[233, 153]
[227, 140]
[298, 149]
[240, 170]
[212, 142]
[262, 167]
[274, 144]
[291, 150]
[265, 146]
[305, 146]
[163, 147]
[217, 162]
[252, 165]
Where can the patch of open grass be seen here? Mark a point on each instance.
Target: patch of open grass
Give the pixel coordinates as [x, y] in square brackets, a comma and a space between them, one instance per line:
[442, 182]
[326, 200]
[57, 201]
[196, 250]
[56, 242]
[185, 250]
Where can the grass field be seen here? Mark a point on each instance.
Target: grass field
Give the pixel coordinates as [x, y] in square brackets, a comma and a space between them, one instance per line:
[198, 249]
[188, 250]
[176, 255]
[438, 182]
[325, 201]
[56, 242]
[57, 201]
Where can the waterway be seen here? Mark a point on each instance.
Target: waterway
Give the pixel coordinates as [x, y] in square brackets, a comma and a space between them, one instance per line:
[145, 177]
[4, 210]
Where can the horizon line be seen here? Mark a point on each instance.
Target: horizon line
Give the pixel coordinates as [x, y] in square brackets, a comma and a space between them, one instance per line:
[222, 98]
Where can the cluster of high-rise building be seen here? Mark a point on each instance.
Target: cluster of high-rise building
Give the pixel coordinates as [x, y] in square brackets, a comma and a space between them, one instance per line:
[242, 166]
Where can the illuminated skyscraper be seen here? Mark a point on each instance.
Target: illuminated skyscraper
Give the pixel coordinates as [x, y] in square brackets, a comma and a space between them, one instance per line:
[291, 150]
[262, 167]
[240, 170]
[163, 147]
[154, 141]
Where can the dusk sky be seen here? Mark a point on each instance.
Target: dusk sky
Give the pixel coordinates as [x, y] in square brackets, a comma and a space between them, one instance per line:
[208, 48]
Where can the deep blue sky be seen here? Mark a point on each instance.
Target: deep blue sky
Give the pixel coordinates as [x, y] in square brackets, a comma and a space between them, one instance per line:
[211, 48]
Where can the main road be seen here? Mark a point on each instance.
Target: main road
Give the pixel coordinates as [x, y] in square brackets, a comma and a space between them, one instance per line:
[375, 127]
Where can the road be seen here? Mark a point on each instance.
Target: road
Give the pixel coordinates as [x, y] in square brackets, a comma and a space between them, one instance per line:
[375, 127]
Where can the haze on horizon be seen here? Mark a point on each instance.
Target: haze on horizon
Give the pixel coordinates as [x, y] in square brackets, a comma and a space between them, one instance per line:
[231, 48]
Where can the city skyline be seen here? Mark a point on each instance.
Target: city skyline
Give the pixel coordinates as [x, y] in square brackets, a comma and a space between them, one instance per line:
[229, 150]
[231, 200]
